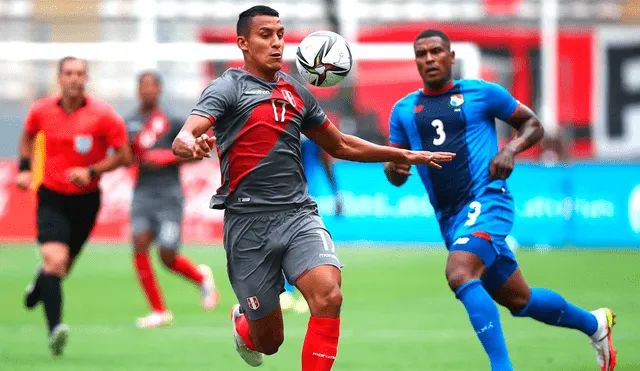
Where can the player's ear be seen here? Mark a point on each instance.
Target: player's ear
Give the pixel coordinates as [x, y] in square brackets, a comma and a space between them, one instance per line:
[452, 57]
[243, 43]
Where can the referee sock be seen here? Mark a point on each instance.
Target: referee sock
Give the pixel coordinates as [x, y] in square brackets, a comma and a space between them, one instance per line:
[485, 320]
[148, 282]
[551, 308]
[51, 296]
[184, 267]
[320, 344]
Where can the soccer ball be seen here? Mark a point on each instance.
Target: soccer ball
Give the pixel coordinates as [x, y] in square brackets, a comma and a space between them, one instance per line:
[323, 58]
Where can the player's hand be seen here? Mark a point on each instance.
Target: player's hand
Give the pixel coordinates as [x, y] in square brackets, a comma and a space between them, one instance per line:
[431, 159]
[502, 164]
[79, 176]
[397, 168]
[23, 179]
[202, 146]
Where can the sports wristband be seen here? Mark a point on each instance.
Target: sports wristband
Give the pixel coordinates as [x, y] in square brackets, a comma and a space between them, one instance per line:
[92, 172]
[24, 164]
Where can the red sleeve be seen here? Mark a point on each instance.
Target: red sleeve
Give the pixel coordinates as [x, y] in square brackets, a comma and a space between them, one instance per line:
[31, 122]
[115, 129]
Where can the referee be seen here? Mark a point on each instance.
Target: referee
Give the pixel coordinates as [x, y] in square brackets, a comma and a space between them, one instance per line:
[78, 130]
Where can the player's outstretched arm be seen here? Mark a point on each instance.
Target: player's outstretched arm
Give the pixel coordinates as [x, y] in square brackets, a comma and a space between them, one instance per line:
[529, 132]
[351, 148]
[192, 142]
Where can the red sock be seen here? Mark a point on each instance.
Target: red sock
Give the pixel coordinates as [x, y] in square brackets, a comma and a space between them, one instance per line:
[183, 266]
[148, 282]
[242, 326]
[321, 344]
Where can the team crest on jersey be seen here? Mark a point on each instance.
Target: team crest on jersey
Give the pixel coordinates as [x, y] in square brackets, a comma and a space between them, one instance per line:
[456, 100]
[253, 303]
[83, 143]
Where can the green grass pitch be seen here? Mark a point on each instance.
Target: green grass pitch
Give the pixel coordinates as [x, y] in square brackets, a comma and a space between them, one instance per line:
[398, 314]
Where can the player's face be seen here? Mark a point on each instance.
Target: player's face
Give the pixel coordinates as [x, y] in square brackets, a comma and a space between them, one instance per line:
[72, 78]
[264, 46]
[434, 61]
[149, 90]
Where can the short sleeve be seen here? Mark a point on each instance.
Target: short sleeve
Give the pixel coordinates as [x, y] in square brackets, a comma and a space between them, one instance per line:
[115, 128]
[500, 103]
[31, 122]
[397, 134]
[315, 118]
[215, 99]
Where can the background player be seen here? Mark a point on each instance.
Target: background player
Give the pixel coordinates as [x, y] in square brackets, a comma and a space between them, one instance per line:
[473, 204]
[271, 225]
[157, 204]
[78, 130]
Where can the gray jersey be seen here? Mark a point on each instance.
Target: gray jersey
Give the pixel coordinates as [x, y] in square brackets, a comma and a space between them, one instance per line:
[148, 133]
[257, 125]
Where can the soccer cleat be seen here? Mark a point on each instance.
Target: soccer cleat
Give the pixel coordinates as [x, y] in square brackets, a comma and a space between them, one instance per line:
[208, 291]
[301, 306]
[155, 319]
[287, 302]
[58, 339]
[602, 342]
[251, 357]
[32, 294]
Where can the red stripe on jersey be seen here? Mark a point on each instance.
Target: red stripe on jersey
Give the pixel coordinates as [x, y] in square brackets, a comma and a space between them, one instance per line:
[261, 131]
[515, 111]
[483, 235]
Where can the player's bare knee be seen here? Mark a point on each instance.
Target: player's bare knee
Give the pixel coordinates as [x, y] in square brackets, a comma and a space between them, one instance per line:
[167, 256]
[326, 303]
[56, 262]
[269, 344]
[458, 276]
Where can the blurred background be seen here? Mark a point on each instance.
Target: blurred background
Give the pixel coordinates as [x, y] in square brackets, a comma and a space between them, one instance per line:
[576, 62]
[577, 194]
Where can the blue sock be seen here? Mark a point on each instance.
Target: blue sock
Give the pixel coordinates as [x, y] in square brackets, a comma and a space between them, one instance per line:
[551, 308]
[485, 320]
[289, 287]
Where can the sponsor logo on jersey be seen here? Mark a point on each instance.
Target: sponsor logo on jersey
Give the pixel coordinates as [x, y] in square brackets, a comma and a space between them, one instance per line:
[634, 209]
[461, 241]
[257, 92]
[83, 143]
[418, 108]
[456, 100]
[253, 303]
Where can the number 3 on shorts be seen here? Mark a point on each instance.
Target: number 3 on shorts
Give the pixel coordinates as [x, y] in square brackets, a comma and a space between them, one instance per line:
[474, 213]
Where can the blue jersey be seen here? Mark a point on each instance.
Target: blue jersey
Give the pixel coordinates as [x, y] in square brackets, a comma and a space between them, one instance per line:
[460, 120]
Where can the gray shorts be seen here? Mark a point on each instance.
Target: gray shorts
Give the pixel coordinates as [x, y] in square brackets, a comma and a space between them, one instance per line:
[260, 247]
[164, 221]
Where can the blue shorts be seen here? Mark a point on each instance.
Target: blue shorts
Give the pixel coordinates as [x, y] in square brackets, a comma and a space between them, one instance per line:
[481, 228]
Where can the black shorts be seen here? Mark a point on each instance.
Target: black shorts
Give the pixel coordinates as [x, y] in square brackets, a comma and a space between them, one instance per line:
[66, 218]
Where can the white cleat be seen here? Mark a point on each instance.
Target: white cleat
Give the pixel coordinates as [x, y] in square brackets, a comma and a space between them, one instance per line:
[155, 319]
[58, 339]
[251, 357]
[208, 291]
[602, 342]
[287, 302]
[301, 306]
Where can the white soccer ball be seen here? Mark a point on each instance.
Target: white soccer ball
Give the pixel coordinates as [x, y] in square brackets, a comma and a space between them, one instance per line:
[323, 58]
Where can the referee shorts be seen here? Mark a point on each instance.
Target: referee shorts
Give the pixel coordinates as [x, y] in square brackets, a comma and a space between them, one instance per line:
[66, 218]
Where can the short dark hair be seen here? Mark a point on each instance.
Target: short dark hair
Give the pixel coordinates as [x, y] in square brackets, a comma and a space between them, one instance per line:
[64, 60]
[156, 76]
[434, 33]
[244, 19]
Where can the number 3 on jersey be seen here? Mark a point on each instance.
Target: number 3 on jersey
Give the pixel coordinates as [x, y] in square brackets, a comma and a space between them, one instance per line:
[441, 135]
